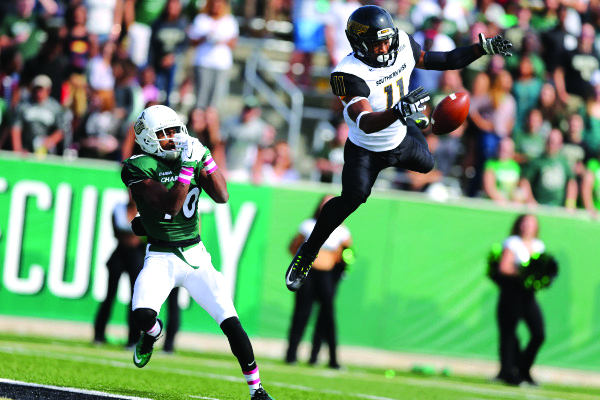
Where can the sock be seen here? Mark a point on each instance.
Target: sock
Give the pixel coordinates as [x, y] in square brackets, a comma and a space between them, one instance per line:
[253, 380]
[155, 330]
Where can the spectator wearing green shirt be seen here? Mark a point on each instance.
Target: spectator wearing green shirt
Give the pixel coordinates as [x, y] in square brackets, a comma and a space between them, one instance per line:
[530, 142]
[40, 124]
[549, 180]
[501, 175]
[23, 30]
[591, 136]
[526, 90]
[573, 149]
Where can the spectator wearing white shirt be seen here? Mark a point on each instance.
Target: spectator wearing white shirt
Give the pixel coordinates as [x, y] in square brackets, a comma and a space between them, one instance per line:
[338, 46]
[431, 39]
[214, 32]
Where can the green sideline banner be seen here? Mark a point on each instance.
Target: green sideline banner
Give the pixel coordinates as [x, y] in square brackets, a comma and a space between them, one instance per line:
[418, 283]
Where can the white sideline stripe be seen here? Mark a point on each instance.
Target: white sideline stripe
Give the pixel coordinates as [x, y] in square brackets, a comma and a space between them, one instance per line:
[201, 397]
[509, 392]
[73, 390]
[540, 393]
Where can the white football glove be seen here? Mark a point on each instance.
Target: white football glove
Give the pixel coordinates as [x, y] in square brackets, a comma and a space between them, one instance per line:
[412, 103]
[181, 140]
[496, 45]
[192, 151]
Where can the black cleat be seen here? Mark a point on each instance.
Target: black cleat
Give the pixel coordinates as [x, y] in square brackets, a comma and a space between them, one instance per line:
[420, 119]
[298, 269]
[261, 394]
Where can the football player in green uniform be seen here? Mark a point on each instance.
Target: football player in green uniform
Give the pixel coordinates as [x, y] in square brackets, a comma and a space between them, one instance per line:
[166, 183]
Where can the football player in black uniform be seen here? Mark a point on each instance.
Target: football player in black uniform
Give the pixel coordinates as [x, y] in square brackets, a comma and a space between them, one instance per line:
[384, 119]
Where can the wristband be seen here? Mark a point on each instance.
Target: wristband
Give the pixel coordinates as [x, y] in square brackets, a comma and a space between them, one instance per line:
[359, 117]
[209, 165]
[185, 175]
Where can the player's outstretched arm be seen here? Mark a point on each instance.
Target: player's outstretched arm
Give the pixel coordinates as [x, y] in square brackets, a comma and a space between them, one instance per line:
[463, 56]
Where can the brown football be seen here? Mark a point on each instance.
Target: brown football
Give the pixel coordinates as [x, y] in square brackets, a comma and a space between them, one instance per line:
[450, 113]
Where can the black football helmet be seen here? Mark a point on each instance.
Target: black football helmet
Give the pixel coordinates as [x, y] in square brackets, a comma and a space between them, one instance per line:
[369, 24]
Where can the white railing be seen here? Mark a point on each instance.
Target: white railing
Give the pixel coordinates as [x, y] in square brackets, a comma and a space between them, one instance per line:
[263, 76]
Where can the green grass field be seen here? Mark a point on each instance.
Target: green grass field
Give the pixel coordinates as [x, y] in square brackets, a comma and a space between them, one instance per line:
[192, 375]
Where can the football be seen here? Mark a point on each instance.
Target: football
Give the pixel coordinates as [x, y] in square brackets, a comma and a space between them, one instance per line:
[450, 113]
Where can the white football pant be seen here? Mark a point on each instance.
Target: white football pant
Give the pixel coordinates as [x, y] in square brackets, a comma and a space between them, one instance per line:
[164, 271]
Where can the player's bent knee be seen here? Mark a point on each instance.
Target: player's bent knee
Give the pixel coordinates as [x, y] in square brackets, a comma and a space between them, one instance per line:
[145, 318]
[429, 165]
[426, 165]
[352, 201]
[231, 325]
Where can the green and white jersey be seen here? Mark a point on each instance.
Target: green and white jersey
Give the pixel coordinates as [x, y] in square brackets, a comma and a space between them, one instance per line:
[162, 227]
[549, 177]
[508, 173]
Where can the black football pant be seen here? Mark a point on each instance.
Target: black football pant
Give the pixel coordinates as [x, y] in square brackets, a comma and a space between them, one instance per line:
[516, 303]
[320, 333]
[361, 168]
[123, 259]
[319, 286]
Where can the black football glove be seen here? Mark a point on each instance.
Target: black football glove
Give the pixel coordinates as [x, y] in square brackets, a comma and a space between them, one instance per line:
[497, 45]
[137, 227]
[410, 104]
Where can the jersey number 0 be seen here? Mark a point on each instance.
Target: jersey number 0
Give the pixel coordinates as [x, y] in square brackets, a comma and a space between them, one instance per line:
[190, 205]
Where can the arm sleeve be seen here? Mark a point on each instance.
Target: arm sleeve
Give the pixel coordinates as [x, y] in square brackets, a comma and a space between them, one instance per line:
[343, 84]
[446, 60]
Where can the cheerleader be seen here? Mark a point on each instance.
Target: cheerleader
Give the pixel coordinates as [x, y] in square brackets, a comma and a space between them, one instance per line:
[518, 302]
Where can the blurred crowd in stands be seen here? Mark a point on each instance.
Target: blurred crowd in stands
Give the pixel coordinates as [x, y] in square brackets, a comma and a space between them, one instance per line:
[74, 74]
